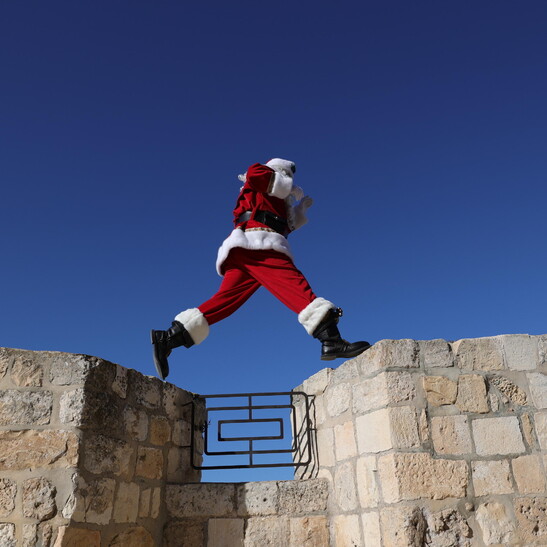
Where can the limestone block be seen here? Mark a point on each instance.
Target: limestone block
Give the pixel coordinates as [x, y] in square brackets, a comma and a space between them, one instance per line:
[257, 499]
[436, 354]
[440, 390]
[155, 503]
[345, 492]
[25, 407]
[267, 531]
[366, 472]
[69, 536]
[345, 445]
[372, 535]
[144, 502]
[521, 351]
[528, 430]
[316, 384]
[178, 466]
[309, 532]
[136, 536]
[225, 533]
[498, 436]
[105, 455]
[412, 476]
[448, 528]
[146, 390]
[8, 490]
[538, 388]
[423, 427]
[346, 530]
[472, 394]
[540, 419]
[347, 372]
[510, 390]
[37, 449]
[87, 407]
[451, 435]
[181, 433]
[374, 432]
[542, 350]
[495, 523]
[302, 497]
[385, 388]
[26, 372]
[338, 399]
[67, 369]
[71, 406]
[135, 423]
[119, 385]
[325, 447]
[491, 477]
[404, 427]
[529, 474]
[126, 503]
[403, 526]
[389, 353]
[7, 534]
[92, 502]
[532, 519]
[200, 500]
[478, 354]
[186, 533]
[160, 431]
[39, 499]
[149, 463]
[5, 359]
[30, 535]
[175, 400]
[493, 401]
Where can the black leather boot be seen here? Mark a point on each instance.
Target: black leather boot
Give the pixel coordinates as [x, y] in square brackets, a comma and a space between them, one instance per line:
[334, 346]
[164, 341]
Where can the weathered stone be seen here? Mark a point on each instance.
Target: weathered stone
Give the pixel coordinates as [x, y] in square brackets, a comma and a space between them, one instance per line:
[5, 359]
[91, 502]
[39, 499]
[472, 394]
[126, 503]
[346, 531]
[71, 406]
[493, 401]
[26, 372]
[372, 535]
[374, 432]
[135, 423]
[492, 477]
[385, 388]
[447, 528]
[495, 523]
[225, 533]
[146, 390]
[30, 535]
[521, 351]
[186, 533]
[541, 428]
[68, 369]
[257, 499]
[436, 354]
[309, 531]
[25, 407]
[404, 427]
[528, 430]
[498, 436]
[532, 519]
[316, 384]
[31, 449]
[8, 490]
[345, 492]
[86, 407]
[106, 455]
[69, 536]
[423, 427]
[181, 433]
[347, 372]
[179, 468]
[175, 400]
[344, 436]
[440, 390]
[200, 500]
[538, 388]
[413, 476]
[513, 392]
[267, 531]
[338, 399]
[325, 447]
[542, 350]
[403, 527]
[155, 503]
[302, 497]
[160, 431]
[366, 471]
[144, 502]
[119, 385]
[529, 474]
[149, 463]
[133, 537]
[7, 534]
[478, 354]
[451, 435]
[389, 354]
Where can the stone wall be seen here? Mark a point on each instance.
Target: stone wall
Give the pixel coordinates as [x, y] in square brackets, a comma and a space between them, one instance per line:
[435, 443]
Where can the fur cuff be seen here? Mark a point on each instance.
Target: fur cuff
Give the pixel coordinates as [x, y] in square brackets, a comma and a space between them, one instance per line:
[281, 185]
[314, 313]
[195, 323]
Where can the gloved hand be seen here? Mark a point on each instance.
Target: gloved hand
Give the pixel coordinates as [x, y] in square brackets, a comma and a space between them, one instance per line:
[297, 192]
[305, 203]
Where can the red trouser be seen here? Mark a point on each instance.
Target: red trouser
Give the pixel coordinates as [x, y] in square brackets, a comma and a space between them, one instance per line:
[245, 271]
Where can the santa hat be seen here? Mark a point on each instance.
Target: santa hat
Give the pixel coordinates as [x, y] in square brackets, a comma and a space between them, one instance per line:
[282, 166]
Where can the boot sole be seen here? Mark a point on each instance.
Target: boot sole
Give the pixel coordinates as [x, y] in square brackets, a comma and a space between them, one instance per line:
[332, 357]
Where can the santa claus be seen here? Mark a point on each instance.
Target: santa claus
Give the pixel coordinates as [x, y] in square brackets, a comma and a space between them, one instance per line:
[257, 253]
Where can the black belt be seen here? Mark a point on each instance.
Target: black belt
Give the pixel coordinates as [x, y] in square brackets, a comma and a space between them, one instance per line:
[269, 219]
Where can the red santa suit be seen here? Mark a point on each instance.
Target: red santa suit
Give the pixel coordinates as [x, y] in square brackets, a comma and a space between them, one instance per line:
[257, 252]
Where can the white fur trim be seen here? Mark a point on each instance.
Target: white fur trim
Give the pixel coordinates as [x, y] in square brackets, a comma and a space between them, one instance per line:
[256, 240]
[280, 165]
[195, 323]
[314, 313]
[281, 186]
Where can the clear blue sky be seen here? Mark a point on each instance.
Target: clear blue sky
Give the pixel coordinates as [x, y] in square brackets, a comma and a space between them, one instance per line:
[419, 128]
